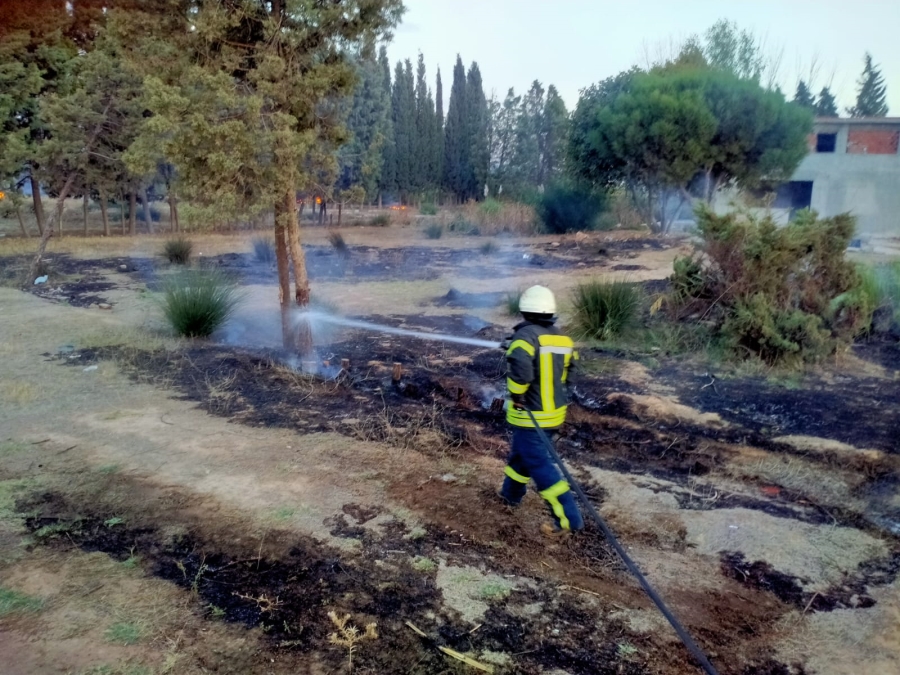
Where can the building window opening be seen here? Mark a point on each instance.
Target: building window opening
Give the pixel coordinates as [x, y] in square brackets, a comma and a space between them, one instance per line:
[826, 142]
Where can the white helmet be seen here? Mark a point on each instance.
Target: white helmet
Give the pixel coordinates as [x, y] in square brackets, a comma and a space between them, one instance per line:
[537, 300]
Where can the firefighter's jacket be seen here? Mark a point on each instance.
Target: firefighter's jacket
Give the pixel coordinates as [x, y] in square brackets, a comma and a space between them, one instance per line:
[538, 362]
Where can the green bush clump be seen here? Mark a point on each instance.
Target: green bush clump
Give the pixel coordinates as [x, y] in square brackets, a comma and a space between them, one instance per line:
[434, 231]
[178, 251]
[566, 208]
[784, 294]
[428, 209]
[512, 302]
[264, 249]
[881, 288]
[605, 309]
[340, 246]
[197, 302]
[381, 220]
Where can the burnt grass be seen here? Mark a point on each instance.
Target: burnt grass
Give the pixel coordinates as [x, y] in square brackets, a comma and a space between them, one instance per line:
[288, 597]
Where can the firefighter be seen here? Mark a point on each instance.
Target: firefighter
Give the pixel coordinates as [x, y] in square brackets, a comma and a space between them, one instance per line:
[539, 358]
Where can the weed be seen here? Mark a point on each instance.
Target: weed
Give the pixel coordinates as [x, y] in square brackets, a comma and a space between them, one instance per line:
[381, 220]
[340, 246]
[197, 302]
[603, 309]
[488, 248]
[52, 531]
[428, 209]
[881, 288]
[178, 251]
[417, 533]
[512, 302]
[494, 591]
[263, 249]
[216, 612]
[348, 635]
[14, 602]
[434, 231]
[423, 564]
[124, 633]
[626, 649]
[115, 520]
[285, 513]
[132, 561]
[108, 469]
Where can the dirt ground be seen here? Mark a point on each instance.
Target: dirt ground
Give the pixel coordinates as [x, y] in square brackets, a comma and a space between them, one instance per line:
[202, 507]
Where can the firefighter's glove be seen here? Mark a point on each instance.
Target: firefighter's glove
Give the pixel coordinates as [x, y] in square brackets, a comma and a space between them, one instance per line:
[518, 401]
[506, 342]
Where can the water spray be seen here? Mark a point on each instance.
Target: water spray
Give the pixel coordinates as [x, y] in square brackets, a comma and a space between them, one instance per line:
[312, 316]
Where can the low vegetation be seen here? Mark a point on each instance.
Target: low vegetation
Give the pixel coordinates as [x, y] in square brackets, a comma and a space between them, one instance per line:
[263, 249]
[434, 231]
[782, 294]
[13, 602]
[565, 208]
[178, 251]
[428, 209]
[604, 309]
[338, 244]
[488, 248]
[881, 288]
[197, 302]
[381, 220]
[511, 302]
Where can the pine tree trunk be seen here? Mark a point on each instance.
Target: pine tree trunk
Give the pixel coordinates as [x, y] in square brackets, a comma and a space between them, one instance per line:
[301, 281]
[48, 229]
[121, 199]
[284, 278]
[339, 213]
[38, 204]
[84, 211]
[104, 212]
[132, 213]
[379, 201]
[148, 220]
[21, 222]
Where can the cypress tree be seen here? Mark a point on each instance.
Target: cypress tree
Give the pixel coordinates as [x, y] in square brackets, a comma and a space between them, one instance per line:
[479, 134]
[438, 149]
[403, 124]
[803, 97]
[871, 101]
[826, 106]
[456, 147]
[554, 135]
[424, 159]
[388, 178]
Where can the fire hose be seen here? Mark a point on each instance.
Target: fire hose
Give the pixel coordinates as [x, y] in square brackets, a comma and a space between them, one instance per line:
[685, 637]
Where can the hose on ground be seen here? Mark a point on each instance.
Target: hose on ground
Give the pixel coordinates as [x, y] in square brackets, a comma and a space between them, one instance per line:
[685, 637]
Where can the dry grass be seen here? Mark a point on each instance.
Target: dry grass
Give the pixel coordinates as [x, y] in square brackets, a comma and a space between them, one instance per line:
[18, 392]
[424, 432]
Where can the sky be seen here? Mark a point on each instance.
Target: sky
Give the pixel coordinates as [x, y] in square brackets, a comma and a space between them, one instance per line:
[574, 43]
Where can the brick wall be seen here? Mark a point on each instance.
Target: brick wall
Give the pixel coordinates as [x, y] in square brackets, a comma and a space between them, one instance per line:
[873, 141]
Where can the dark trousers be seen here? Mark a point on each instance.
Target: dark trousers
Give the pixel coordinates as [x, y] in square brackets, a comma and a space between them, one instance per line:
[529, 460]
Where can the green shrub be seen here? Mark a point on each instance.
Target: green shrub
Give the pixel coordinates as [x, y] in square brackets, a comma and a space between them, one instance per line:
[459, 225]
[489, 247]
[779, 293]
[564, 208]
[381, 220]
[880, 284]
[512, 302]
[428, 209]
[178, 251]
[605, 309]
[264, 249]
[434, 231]
[197, 302]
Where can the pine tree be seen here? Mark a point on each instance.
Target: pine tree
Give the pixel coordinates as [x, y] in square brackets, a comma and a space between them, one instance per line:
[388, 179]
[503, 136]
[826, 106]
[456, 135]
[527, 161]
[478, 126]
[871, 101]
[554, 136]
[803, 97]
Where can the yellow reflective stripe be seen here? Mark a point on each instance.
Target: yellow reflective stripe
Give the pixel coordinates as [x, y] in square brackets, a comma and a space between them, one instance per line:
[516, 388]
[555, 341]
[516, 476]
[547, 402]
[567, 360]
[520, 344]
[519, 418]
[552, 494]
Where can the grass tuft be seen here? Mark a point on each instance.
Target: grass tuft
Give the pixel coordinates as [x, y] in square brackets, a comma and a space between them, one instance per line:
[124, 633]
[13, 602]
[178, 251]
[434, 231]
[340, 246]
[423, 564]
[263, 249]
[512, 302]
[488, 248]
[605, 309]
[198, 302]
